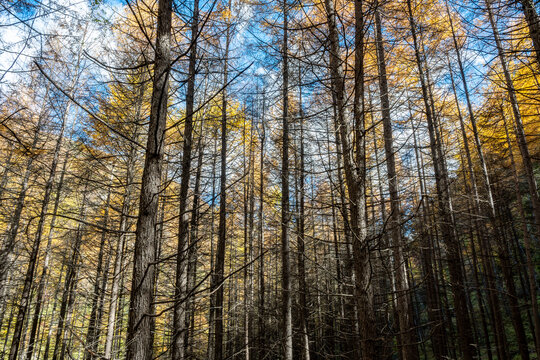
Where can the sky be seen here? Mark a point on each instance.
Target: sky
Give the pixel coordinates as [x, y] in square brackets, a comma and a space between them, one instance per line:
[23, 32]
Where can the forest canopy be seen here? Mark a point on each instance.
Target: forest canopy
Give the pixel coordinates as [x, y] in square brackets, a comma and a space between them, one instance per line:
[270, 179]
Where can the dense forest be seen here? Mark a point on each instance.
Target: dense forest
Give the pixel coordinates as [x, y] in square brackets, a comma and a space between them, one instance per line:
[269, 179]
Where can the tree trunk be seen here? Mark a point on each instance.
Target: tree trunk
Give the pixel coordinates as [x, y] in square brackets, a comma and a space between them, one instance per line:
[355, 180]
[406, 324]
[180, 303]
[286, 310]
[527, 241]
[262, 289]
[9, 243]
[216, 286]
[141, 325]
[120, 246]
[302, 286]
[465, 337]
[518, 128]
[68, 294]
[533, 21]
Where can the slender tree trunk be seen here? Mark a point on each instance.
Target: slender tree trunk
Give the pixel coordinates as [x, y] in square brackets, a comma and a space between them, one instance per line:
[180, 307]
[355, 179]
[262, 290]
[68, 294]
[193, 247]
[433, 304]
[286, 311]
[9, 243]
[406, 323]
[526, 239]
[119, 255]
[216, 287]
[465, 337]
[46, 262]
[92, 336]
[248, 239]
[32, 262]
[303, 313]
[356, 184]
[349, 275]
[518, 128]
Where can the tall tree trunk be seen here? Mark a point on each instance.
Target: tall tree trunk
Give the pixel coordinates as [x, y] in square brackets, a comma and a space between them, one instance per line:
[180, 292]
[119, 255]
[92, 336]
[355, 180]
[193, 246]
[406, 323]
[141, 324]
[248, 239]
[357, 186]
[526, 239]
[434, 312]
[465, 337]
[262, 289]
[302, 286]
[29, 277]
[9, 243]
[216, 286]
[352, 330]
[46, 263]
[68, 294]
[286, 310]
[518, 128]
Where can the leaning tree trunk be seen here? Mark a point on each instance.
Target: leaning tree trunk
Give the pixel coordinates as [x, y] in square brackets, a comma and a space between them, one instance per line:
[518, 128]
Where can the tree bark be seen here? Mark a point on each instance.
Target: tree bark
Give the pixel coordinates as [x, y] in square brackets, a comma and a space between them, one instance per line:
[518, 128]
[533, 22]
[465, 337]
[286, 300]
[216, 286]
[141, 324]
[180, 303]
[355, 179]
[406, 324]
[68, 294]
[301, 229]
